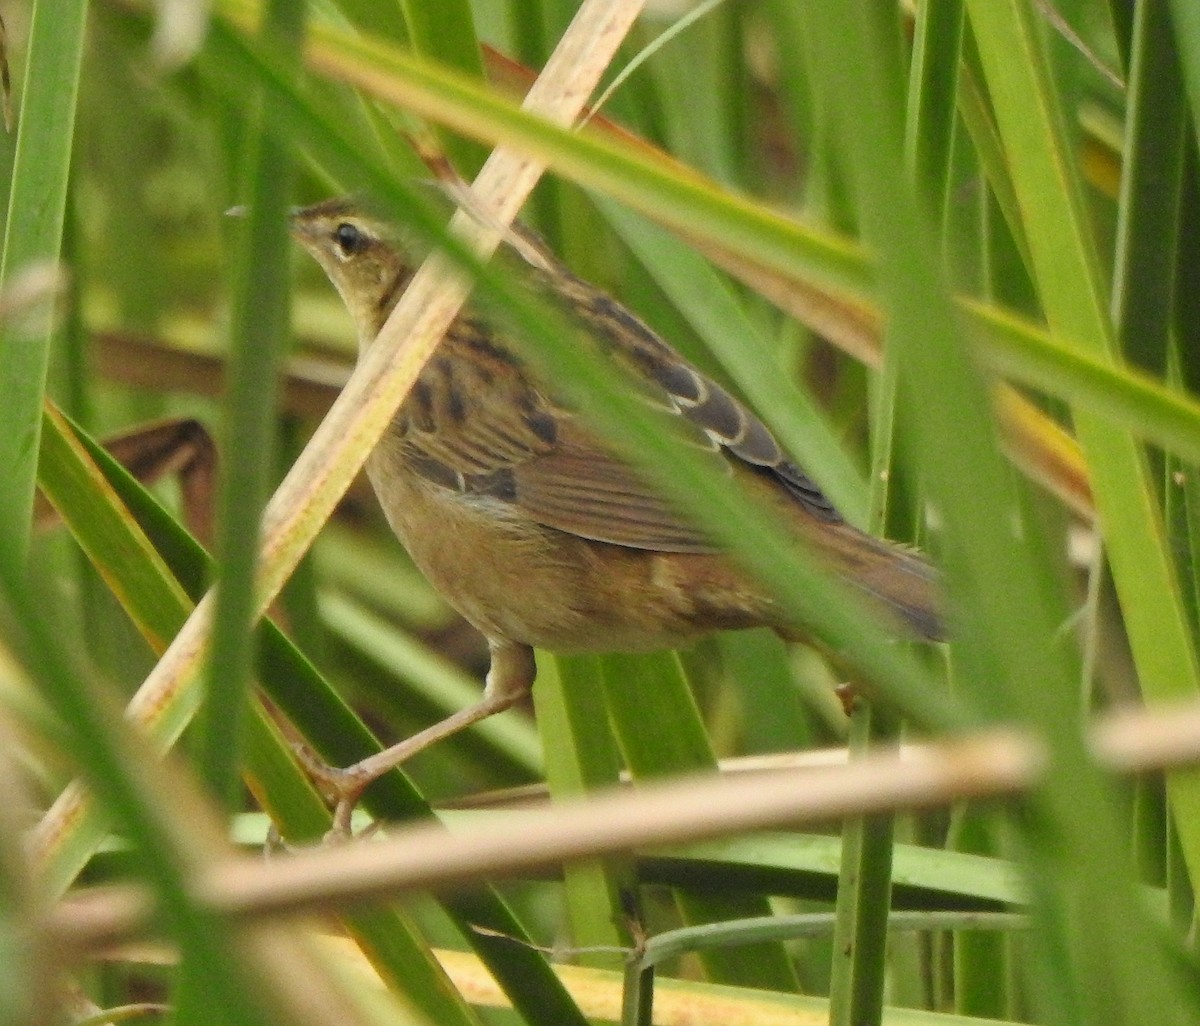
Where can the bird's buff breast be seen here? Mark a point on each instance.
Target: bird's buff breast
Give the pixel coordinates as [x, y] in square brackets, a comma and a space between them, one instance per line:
[516, 580]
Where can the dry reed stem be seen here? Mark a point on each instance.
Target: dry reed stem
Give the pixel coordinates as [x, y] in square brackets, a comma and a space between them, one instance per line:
[994, 764]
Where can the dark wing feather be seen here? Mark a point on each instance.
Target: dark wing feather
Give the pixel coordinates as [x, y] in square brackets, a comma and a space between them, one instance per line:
[581, 489]
[474, 423]
[736, 430]
[699, 400]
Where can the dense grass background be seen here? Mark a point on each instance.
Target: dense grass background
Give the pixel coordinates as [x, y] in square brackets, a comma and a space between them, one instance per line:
[947, 251]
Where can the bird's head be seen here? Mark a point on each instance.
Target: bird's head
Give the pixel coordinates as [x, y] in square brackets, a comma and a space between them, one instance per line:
[361, 255]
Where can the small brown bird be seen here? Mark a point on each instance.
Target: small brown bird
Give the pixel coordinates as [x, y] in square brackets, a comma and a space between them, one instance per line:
[531, 526]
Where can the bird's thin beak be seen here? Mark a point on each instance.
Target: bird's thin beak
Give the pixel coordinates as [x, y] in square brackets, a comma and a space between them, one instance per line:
[298, 225]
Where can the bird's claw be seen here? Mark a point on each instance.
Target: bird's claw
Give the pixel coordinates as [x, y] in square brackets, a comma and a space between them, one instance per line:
[341, 787]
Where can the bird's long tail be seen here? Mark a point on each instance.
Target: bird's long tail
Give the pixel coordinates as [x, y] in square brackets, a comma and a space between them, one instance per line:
[900, 579]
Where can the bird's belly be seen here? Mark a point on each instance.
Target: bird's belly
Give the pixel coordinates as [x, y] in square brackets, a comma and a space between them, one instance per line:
[519, 581]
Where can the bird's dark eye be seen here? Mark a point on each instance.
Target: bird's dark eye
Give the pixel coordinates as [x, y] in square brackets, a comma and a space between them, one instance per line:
[350, 238]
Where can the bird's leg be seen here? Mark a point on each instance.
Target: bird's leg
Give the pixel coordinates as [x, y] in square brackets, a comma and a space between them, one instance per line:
[509, 679]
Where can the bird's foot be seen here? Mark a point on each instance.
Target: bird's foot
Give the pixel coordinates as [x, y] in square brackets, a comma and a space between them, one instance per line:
[848, 695]
[342, 788]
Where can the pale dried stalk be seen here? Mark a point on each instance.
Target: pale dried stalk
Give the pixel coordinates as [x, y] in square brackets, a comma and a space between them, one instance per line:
[427, 856]
[387, 370]
[597, 992]
[992, 764]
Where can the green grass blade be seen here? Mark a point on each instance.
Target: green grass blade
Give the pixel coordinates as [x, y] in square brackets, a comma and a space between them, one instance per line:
[1187, 33]
[33, 234]
[445, 32]
[660, 733]
[1073, 296]
[1151, 182]
[581, 757]
[259, 331]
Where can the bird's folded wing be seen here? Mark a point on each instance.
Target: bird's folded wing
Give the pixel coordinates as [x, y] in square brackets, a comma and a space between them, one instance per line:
[518, 450]
[589, 493]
